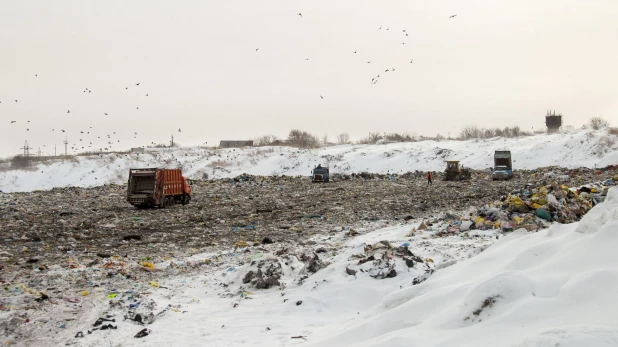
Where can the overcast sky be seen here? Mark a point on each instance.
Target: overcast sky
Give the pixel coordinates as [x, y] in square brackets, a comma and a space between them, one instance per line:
[496, 63]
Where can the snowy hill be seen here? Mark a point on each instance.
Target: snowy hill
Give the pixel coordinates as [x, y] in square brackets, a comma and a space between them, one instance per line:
[580, 148]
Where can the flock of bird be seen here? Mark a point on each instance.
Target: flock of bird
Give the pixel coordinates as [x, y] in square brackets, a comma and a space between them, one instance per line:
[375, 79]
[85, 137]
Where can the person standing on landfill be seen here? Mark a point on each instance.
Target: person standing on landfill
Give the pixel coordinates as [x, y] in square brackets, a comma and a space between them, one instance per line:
[429, 178]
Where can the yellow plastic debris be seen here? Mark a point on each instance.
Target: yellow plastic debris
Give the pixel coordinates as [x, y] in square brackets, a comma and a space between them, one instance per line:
[147, 264]
[429, 260]
[111, 296]
[155, 284]
[479, 220]
[84, 293]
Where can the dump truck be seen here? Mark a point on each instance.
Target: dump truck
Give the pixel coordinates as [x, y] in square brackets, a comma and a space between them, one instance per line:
[503, 167]
[454, 172]
[157, 187]
[320, 174]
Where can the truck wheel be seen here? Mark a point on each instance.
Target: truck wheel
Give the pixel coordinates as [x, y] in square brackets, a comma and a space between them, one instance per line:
[187, 199]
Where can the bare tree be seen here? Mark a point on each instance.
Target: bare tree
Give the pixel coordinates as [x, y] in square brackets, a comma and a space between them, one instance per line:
[303, 139]
[371, 138]
[343, 138]
[325, 139]
[470, 132]
[597, 123]
[265, 140]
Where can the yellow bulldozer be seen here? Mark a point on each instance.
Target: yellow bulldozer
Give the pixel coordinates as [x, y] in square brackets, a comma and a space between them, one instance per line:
[454, 172]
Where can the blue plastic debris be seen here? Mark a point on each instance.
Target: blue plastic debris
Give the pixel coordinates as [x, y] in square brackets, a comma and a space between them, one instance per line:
[405, 244]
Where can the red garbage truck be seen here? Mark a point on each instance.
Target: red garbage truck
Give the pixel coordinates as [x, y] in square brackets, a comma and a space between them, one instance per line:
[157, 187]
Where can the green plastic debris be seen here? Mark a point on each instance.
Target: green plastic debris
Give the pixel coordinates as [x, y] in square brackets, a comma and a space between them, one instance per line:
[541, 213]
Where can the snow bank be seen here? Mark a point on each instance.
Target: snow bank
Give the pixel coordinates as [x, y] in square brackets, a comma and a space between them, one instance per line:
[581, 148]
[557, 287]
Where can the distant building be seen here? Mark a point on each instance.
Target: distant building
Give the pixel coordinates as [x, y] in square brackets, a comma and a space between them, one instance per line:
[235, 144]
[553, 122]
[138, 150]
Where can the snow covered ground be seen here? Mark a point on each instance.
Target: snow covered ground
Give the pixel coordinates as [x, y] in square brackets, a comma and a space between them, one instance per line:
[557, 287]
[577, 149]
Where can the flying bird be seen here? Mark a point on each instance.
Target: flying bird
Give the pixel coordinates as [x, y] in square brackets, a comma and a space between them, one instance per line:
[403, 43]
[380, 27]
[36, 75]
[68, 111]
[256, 49]
[27, 129]
[411, 61]
[453, 16]
[28, 122]
[369, 62]
[146, 94]
[386, 70]
[15, 100]
[13, 121]
[179, 130]
[355, 52]
[137, 108]
[300, 14]
[106, 114]
[137, 84]
[321, 97]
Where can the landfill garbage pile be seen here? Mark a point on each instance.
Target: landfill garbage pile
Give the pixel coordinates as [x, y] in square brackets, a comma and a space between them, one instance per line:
[67, 250]
[534, 206]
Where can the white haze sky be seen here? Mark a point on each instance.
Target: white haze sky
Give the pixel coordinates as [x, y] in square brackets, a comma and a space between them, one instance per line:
[497, 63]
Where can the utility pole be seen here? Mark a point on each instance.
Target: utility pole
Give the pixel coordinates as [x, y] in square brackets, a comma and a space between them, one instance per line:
[172, 142]
[26, 149]
[39, 151]
[55, 151]
[66, 143]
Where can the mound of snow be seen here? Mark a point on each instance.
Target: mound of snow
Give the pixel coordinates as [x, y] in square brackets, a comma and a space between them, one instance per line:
[557, 287]
[581, 148]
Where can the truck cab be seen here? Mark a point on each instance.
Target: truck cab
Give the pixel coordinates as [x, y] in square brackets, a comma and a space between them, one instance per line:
[503, 167]
[320, 174]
